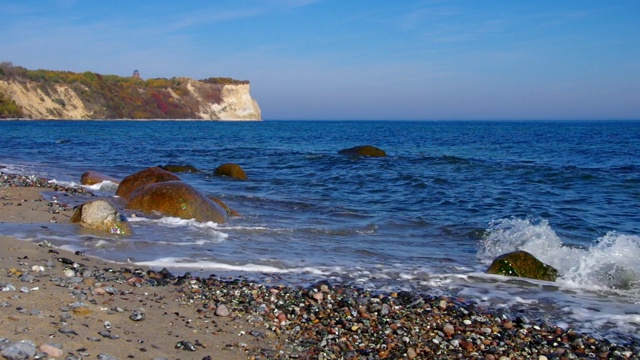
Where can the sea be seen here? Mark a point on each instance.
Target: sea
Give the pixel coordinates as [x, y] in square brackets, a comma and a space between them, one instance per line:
[429, 218]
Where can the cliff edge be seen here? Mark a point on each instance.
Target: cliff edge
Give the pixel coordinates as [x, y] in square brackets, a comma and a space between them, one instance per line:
[62, 95]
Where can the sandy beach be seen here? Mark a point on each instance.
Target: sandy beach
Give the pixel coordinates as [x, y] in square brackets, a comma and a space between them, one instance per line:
[50, 296]
[66, 305]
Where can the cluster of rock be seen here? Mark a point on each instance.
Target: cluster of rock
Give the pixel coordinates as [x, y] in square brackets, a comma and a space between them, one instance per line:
[153, 191]
[158, 190]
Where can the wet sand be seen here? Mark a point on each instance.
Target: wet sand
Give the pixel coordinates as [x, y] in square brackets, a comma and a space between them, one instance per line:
[89, 308]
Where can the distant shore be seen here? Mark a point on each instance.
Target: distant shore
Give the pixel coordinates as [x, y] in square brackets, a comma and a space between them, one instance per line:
[84, 307]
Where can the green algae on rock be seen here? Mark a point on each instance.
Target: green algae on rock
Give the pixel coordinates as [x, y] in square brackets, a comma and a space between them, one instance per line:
[522, 264]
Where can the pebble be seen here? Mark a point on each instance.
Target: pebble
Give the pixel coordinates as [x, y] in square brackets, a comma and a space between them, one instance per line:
[21, 350]
[185, 345]
[222, 310]
[448, 329]
[106, 357]
[137, 315]
[51, 350]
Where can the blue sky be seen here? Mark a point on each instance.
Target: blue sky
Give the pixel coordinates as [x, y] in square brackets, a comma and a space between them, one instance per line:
[374, 59]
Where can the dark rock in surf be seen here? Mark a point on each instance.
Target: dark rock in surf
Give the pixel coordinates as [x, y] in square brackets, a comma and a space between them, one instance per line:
[230, 211]
[91, 177]
[102, 216]
[144, 177]
[175, 198]
[180, 168]
[364, 150]
[522, 264]
[231, 170]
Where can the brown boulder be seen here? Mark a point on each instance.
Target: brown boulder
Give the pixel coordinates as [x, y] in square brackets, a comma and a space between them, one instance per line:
[522, 264]
[230, 211]
[231, 170]
[364, 150]
[147, 176]
[91, 177]
[180, 168]
[101, 215]
[175, 198]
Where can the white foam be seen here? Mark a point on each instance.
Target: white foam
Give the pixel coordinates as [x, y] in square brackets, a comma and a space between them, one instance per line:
[173, 222]
[609, 264]
[71, 184]
[105, 185]
[182, 263]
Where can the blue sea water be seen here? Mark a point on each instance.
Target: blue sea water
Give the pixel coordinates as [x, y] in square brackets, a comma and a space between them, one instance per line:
[430, 217]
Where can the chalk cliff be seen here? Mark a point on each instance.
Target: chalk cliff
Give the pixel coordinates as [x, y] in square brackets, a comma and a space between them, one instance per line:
[45, 94]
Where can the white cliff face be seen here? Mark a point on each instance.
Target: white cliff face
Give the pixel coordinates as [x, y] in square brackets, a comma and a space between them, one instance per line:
[236, 105]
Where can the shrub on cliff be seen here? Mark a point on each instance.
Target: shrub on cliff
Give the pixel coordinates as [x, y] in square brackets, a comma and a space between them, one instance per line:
[9, 108]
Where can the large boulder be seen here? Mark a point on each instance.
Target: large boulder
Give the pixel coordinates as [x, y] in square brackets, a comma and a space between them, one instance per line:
[91, 177]
[147, 176]
[178, 199]
[101, 215]
[174, 168]
[522, 264]
[231, 170]
[364, 150]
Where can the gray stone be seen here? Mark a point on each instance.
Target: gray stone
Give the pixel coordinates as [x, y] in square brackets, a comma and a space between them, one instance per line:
[22, 350]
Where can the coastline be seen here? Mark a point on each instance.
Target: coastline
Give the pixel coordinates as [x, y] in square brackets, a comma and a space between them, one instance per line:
[47, 298]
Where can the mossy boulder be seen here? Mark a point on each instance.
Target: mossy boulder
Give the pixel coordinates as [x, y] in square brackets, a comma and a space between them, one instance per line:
[231, 170]
[101, 215]
[522, 264]
[144, 177]
[91, 177]
[364, 150]
[180, 168]
[178, 199]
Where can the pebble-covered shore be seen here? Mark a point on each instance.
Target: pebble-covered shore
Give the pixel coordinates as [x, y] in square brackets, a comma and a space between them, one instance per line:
[322, 321]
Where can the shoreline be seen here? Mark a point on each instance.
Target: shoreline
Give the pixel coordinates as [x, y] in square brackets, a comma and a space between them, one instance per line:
[79, 305]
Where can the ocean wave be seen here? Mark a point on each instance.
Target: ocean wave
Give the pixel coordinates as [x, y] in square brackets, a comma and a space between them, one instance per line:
[609, 264]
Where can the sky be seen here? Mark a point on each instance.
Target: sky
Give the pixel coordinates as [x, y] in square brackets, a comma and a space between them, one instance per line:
[356, 59]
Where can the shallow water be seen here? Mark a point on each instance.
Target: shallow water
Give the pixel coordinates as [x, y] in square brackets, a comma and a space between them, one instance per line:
[430, 217]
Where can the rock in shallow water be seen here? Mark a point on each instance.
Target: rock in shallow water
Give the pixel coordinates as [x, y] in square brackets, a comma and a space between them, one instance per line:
[231, 170]
[522, 264]
[102, 216]
[364, 150]
[176, 198]
[144, 177]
